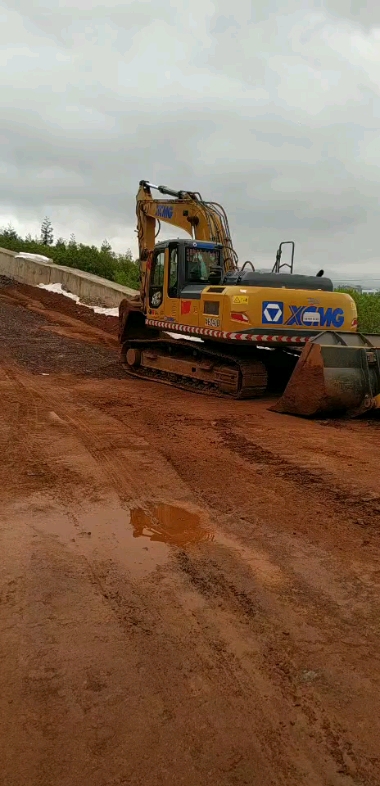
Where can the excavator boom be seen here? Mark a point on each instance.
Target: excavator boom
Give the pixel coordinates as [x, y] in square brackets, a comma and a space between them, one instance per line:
[186, 210]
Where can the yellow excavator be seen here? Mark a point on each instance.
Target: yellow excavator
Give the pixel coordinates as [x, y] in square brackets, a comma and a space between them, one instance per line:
[203, 323]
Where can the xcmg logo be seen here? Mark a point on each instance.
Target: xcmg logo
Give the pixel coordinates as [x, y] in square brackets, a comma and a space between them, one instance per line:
[164, 211]
[315, 316]
[273, 313]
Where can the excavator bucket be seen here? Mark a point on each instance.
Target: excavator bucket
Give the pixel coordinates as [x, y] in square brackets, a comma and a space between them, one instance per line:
[337, 373]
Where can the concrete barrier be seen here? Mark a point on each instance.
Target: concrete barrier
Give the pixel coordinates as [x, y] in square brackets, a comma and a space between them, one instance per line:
[89, 288]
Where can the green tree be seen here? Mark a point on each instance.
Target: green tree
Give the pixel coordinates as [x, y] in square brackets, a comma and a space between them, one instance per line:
[106, 247]
[11, 233]
[47, 234]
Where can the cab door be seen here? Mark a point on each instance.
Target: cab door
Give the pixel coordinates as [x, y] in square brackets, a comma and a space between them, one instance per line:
[156, 304]
[189, 293]
[171, 285]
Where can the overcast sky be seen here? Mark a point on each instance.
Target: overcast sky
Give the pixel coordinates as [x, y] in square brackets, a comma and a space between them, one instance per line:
[271, 108]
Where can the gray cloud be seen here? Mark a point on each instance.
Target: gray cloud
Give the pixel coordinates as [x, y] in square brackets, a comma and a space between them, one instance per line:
[273, 114]
[364, 12]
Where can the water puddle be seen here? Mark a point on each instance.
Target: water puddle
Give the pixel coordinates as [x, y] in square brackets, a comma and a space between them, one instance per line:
[170, 524]
[139, 540]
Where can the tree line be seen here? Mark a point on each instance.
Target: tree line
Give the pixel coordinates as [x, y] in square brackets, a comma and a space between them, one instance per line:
[103, 261]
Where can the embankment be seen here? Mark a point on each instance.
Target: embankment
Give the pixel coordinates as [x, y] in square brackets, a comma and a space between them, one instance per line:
[88, 287]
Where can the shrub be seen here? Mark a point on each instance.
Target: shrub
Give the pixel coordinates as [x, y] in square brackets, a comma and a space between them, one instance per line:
[368, 306]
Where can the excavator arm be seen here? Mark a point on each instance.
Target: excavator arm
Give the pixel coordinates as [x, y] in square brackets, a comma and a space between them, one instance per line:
[186, 210]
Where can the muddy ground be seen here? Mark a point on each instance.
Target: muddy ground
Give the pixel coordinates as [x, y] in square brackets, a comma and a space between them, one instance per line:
[189, 587]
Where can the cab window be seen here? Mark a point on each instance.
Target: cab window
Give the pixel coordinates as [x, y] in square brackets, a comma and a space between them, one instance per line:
[156, 289]
[199, 263]
[173, 273]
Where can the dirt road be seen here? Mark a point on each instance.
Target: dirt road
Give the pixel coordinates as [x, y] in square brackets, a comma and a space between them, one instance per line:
[189, 588]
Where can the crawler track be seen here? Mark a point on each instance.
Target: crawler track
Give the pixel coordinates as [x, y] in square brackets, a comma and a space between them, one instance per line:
[229, 376]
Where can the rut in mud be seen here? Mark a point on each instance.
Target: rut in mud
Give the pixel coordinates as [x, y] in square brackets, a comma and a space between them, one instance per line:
[189, 586]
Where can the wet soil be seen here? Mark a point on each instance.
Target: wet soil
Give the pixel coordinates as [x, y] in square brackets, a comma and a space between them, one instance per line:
[189, 587]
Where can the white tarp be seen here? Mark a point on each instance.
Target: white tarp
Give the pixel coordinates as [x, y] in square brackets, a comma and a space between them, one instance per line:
[57, 288]
[34, 257]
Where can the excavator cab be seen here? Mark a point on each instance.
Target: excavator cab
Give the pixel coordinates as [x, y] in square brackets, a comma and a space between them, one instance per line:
[182, 269]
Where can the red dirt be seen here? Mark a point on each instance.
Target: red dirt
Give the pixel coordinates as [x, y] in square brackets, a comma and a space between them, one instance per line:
[189, 586]
[43, 301]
